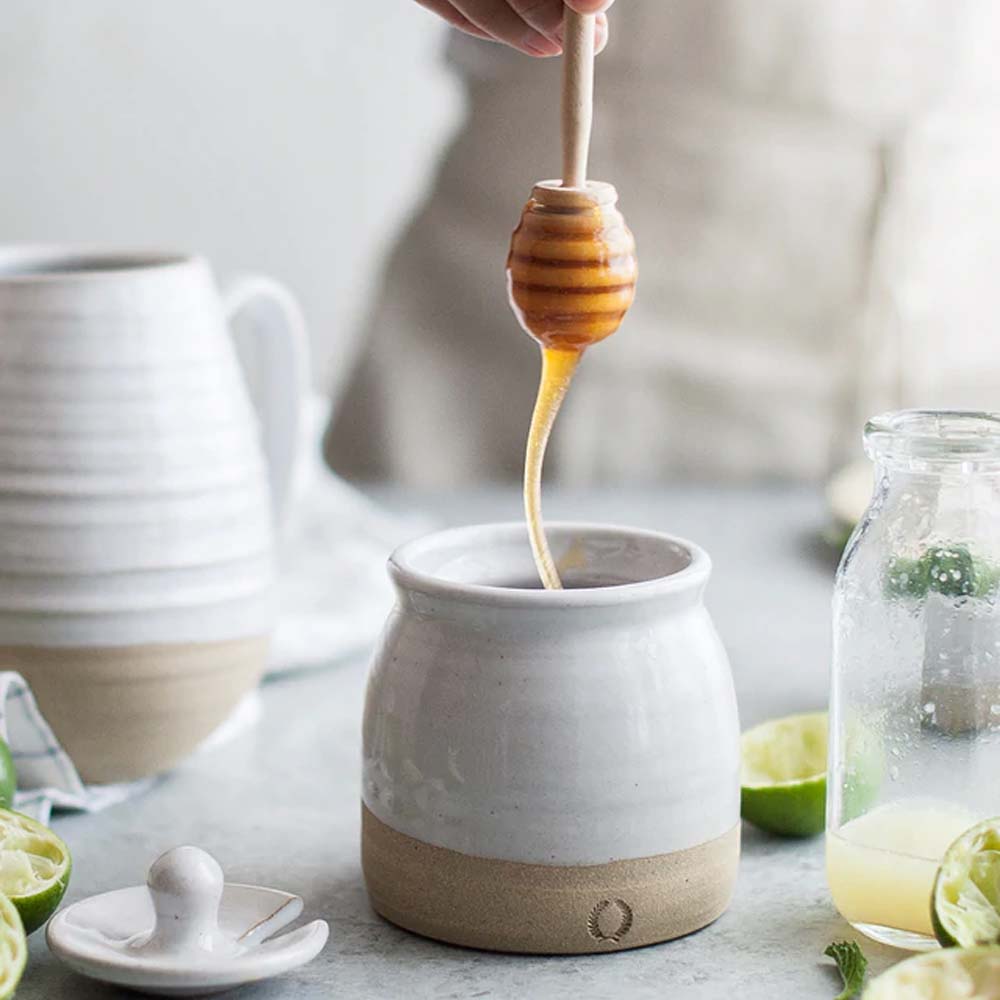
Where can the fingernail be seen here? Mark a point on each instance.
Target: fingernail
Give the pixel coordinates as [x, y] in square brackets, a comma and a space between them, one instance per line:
[539, 45]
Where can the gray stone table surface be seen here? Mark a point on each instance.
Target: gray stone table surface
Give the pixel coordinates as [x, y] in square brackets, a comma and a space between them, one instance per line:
[279, 804]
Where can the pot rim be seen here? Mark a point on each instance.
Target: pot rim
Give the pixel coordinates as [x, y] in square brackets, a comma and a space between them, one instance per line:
[405, 572]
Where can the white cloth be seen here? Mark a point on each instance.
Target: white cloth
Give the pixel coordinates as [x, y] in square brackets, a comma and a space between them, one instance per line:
[333, 590]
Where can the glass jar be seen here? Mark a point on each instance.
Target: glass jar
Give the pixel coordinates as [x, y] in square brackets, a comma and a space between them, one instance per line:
[915, 695]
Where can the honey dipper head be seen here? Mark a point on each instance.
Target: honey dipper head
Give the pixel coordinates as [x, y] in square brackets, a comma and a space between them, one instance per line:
[571, 270]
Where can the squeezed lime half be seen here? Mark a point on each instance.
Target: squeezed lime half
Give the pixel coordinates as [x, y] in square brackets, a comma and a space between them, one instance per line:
[35, 867]
[970, 973]
[965, 904]
[13, 948]
[784, 775]
[8, 777]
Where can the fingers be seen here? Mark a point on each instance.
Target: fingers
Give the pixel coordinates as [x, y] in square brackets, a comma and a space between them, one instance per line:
[446, 12]
[601, 21]
[502, 22]
[531, 26]
[545, 16]
[601, 39]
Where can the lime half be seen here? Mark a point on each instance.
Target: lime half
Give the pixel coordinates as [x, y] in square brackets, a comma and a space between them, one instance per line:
[973, 973]
[784, 775]
[8, 776]
[13, 948]
[34, 868]
[965, 906]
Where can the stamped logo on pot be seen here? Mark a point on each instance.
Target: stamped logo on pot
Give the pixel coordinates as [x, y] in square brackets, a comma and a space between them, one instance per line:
[610, 920]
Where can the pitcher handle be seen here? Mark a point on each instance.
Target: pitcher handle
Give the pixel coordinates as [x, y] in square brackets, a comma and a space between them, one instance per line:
[275, 357]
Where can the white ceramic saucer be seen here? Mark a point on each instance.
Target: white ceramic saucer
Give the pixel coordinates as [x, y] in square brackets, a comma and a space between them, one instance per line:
[186, 932]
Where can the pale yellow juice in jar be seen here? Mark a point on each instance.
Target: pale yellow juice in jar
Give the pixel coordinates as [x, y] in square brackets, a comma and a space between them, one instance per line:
[881, 866]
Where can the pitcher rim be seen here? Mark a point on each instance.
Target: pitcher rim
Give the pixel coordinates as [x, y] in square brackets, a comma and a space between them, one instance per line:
[29, 264]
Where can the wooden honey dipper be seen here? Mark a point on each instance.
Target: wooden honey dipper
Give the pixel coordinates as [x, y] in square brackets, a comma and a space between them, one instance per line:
[571, 270]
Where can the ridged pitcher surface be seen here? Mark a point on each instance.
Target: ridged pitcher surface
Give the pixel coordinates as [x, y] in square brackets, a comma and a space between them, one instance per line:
[135, 518]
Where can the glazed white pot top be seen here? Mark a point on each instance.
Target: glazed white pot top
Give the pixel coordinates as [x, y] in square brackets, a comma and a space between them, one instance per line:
[600, 566]
[557, 727]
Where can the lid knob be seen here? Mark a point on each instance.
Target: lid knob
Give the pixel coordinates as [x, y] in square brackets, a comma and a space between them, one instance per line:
[186, 886]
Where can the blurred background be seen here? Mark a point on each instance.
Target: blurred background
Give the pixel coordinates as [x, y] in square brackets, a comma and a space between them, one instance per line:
[285, 138]
[814, 188]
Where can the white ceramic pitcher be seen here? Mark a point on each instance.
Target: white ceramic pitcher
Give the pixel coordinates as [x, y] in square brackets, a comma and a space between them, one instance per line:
[136, 505]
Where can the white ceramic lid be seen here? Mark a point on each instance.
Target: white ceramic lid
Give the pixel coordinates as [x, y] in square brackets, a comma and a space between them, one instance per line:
[186, 932]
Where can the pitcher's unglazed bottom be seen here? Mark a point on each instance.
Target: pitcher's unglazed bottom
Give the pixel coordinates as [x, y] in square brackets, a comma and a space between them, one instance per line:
[126, 712]
[545, 909]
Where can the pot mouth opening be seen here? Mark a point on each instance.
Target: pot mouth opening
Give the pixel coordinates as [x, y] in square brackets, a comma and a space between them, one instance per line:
[29, 264]
[598, 564]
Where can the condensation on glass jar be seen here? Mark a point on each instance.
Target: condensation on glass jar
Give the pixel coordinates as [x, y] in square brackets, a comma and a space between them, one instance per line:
[915, 690]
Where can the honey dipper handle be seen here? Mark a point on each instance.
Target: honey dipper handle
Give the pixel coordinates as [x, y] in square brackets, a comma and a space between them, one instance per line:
[577, 95]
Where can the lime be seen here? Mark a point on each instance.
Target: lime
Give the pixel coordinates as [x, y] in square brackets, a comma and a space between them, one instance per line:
[784, 775]
[863, 767]
[965, 905]
[941, 975]
[13, 948]
[987, 576]
[34, 868]
[849, 492]
[8, 777]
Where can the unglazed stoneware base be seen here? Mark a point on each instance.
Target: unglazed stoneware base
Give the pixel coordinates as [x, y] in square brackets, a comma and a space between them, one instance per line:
[545, 909]
[131, 711]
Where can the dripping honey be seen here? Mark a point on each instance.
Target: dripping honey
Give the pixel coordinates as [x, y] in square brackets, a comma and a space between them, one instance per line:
[571, 277]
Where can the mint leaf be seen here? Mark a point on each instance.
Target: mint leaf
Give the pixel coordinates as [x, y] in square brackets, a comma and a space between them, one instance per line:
[906, 578]
[950, 570]
[851, 964]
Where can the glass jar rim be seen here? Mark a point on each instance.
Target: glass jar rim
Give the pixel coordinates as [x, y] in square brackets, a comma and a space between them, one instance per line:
[934, 436]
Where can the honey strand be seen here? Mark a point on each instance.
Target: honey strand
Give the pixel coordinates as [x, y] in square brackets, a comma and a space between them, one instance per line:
[557, 373]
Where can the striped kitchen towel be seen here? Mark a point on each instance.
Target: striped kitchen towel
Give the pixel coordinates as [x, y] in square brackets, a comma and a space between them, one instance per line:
[47, 779]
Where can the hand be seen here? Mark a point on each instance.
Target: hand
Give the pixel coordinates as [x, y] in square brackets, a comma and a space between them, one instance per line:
[530, 26]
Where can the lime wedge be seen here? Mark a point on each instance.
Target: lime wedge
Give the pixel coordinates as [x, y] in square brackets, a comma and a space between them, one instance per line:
[8, 776]
[784, 775]
[850, 491]
[34, 868]
[13, 948]
[972, 973]
[965, 905]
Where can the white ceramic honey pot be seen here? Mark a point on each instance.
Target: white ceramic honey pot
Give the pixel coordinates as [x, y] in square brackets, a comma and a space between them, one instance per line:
[550, 771]
[136, 504]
